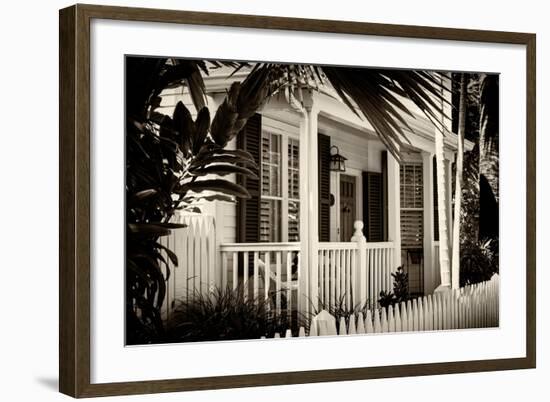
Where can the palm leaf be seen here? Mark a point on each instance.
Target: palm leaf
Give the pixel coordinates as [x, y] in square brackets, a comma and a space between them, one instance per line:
[223, 170]
[214, 185]
[370, 93]
[374, 91]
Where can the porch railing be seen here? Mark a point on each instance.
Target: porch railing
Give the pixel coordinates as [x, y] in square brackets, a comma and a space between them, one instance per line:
[353, 273]
[263, 270]
[339, 273]
[380, 265]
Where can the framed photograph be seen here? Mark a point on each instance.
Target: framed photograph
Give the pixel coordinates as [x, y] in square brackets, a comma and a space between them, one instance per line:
[305, 200]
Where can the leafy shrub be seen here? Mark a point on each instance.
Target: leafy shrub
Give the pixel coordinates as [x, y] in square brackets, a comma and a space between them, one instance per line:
[225, 314]
[400, 291]
[169, 162]
[478, 261]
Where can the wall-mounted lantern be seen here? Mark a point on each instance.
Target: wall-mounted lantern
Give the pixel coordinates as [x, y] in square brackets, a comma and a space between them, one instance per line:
[337, 161]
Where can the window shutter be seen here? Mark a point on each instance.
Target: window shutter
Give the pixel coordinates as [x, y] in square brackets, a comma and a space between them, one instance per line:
[323, 153]
[375, 203]
[372, 206]
[384, 195]
[412, 201]
[248, 210]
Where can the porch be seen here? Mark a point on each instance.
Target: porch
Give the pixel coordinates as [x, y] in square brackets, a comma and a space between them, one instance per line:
[344, 274]
[328, 237]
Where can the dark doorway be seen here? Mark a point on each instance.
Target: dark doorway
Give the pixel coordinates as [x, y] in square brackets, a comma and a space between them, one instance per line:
[347, 206]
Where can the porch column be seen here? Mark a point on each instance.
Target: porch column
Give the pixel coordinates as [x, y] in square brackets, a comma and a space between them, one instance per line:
[444, 184]
[428, 202]
[309, 194]
[443, 203]
[394, 209]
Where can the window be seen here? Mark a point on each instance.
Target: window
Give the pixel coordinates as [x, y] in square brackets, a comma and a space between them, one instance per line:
[271, 198]
[280, 204]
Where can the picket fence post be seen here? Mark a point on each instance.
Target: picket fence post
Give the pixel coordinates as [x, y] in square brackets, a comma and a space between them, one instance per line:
[360, 290]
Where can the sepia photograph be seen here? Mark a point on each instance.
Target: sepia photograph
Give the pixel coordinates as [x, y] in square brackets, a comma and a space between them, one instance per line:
[270, 200]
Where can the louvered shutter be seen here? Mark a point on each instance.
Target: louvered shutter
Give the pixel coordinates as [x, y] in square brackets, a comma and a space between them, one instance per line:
[411, 205]
[323, 153]
[248, 210]
[372, 206]
[375, 203]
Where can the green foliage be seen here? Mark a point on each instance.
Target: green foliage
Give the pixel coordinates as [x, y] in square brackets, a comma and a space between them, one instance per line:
[225, 314]
[478, 261]
[400, 291]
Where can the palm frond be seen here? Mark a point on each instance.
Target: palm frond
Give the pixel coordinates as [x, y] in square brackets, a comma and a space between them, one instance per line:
[374, 94]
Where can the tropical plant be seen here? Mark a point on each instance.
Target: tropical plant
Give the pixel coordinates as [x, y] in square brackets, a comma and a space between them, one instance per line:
[400, 291]
[479, 210]
[478, 261]
[172, 163]
[224, 314]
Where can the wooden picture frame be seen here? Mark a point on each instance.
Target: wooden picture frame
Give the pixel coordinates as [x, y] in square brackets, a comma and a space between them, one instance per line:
[75, 199]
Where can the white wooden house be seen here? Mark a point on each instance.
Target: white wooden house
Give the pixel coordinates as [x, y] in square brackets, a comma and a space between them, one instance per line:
[313, 234]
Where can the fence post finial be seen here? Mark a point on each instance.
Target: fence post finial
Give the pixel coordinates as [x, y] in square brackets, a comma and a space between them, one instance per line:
[358, 233]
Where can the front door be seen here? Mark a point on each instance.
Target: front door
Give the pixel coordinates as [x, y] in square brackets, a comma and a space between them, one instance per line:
[347, 206]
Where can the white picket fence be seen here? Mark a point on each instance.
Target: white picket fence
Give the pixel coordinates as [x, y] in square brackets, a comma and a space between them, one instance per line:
[473, 306]
[340, 273]
[196, 271]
